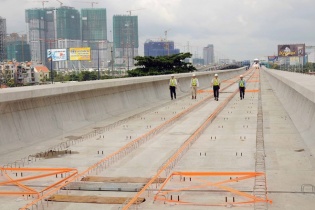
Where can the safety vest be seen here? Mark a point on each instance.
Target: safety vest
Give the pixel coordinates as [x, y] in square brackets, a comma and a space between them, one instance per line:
[215, 82]
[194, 82]
[242, 83]
[173, 82]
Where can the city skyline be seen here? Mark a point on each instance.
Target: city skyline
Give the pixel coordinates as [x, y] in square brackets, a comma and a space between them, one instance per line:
[238, 29]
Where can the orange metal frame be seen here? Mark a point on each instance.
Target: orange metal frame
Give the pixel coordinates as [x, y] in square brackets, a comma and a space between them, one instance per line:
[162, 194]
[40, 173]
[188, 141]
[75, 176]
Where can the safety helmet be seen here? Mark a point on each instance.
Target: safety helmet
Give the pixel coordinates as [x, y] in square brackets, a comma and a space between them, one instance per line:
[241, 76]
[194, 75]
[216, 75]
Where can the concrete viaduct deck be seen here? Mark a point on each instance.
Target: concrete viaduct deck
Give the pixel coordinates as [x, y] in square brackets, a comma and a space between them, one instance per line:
[123, 144]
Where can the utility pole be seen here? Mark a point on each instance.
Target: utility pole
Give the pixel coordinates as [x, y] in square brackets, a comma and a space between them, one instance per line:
[98, 62]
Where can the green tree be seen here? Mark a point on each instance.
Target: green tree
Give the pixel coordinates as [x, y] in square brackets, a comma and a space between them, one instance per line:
[87, 75]
[149, 65]
[11, 83]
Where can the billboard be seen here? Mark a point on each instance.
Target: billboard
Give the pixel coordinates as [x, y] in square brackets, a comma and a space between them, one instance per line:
[57, 54]
[273, 58]
[291, 50]
[80, 54]
[294, 60]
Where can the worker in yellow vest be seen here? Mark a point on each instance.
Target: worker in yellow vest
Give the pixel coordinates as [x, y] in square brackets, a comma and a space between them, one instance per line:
[215, 83]
[242, 87]
[194, 84]
[173, 85]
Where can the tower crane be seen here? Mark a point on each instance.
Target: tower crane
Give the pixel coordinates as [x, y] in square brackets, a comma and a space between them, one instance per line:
[165, 33]
[90, 2]
[167, 45]
[43, 3]
[129, 11]
[60, 3]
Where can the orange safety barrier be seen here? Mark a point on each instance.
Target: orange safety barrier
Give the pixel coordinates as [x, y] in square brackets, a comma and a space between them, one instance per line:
[204, 91]
[240, 176]
[251, 90]
[40, 173]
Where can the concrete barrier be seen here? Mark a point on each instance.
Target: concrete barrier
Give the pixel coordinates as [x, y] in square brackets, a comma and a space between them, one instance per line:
[32, 114]
[297, 94]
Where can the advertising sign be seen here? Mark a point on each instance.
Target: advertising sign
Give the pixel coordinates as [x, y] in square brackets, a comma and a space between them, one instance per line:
[273, 58]
[57, 54]
[80, 54]
[291, 50]
[294, 61]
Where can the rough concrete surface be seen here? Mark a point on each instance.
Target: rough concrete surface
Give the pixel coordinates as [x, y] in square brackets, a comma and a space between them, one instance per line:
[227, 144]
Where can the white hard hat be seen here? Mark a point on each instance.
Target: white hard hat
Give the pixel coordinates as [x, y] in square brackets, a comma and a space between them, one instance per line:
[216, 75]
[172, 75]
[241, 75]
[194, 75]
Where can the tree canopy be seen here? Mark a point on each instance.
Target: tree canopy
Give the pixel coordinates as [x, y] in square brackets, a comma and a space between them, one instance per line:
[148, 65]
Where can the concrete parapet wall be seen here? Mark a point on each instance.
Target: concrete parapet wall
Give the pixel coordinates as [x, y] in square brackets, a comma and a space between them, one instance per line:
[32, 114]
[297, 94]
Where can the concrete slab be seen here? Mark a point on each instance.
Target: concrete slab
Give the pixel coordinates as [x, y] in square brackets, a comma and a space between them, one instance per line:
[228, 144]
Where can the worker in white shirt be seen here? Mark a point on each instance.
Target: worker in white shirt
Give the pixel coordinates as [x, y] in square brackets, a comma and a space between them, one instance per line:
[242, 87]
[194, 84]
[173, 86]
[215, 83]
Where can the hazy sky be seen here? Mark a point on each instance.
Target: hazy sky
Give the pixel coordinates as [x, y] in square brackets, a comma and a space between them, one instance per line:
[238, 29]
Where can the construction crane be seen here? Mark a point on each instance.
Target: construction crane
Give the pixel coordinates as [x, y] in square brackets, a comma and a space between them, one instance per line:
[60, 3]
[167, 44]
[43, 3]
[165, 33]
[90, 2]
[129, 11]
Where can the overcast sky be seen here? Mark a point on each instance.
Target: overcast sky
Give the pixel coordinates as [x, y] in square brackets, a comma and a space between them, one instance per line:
[238, 29]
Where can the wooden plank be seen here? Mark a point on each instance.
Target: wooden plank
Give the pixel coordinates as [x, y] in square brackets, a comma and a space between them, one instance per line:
[91, 199]
[120, 179]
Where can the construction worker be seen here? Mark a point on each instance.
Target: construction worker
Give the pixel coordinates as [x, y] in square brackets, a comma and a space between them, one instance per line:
[242, 87]
[173, 85]
[215, 83]
[194, 84]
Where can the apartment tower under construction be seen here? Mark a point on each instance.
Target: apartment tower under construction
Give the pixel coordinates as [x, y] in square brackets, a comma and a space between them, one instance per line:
[3, 32]
[126, 42]
[94, 35]
[52, 28]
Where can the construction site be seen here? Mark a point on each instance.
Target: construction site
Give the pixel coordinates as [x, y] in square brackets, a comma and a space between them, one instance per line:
[123, 144]
[3, 33]
[126, 41]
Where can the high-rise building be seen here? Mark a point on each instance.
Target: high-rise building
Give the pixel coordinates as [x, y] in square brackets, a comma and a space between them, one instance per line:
[52, 28]
[125, 38]
[94, 25]
[64, 28]
[159, 48]
[94, 35]
[208, 54]
[3, 33]
[17, 48]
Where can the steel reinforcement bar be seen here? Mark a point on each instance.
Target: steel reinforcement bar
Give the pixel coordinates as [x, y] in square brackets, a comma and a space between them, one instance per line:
[123, 151]
[175, 158]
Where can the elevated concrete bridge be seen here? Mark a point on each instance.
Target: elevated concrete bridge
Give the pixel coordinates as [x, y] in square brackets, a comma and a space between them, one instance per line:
[105, 144]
